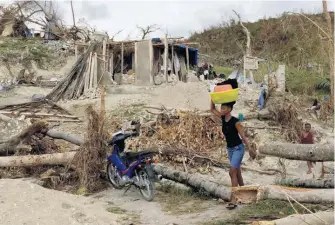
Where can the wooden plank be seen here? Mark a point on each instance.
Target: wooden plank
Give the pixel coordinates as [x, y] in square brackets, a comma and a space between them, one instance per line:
[92, 72]
[95, 71]
[88, 73]
[122, 50]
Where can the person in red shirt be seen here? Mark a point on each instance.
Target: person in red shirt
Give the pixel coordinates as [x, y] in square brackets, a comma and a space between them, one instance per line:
[307, 138]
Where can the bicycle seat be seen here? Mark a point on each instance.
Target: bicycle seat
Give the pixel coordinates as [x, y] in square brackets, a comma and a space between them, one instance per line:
[118, 137]
[137, 154]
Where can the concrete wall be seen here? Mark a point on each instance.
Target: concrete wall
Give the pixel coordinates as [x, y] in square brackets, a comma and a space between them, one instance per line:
[143, 62]
[280, 76]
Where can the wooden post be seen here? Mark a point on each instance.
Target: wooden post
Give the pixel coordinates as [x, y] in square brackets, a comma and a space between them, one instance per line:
[172, 58]
[88, 73]
[104, 54]
[187, 60]
[112, 64]
[122, 49]
[102, 103]
[76, 51]
[95, 74]
[166, 49]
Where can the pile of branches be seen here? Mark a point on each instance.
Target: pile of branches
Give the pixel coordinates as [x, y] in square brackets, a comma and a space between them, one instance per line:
[187, 130]
[89, 160]
[284, 112]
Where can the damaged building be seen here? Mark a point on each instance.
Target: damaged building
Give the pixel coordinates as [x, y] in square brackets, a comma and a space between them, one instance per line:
[145, 58]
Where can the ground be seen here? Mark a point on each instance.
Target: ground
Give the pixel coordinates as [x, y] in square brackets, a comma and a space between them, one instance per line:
[171, 205]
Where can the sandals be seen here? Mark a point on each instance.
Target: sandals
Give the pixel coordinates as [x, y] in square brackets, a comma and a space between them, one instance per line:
[231, 206]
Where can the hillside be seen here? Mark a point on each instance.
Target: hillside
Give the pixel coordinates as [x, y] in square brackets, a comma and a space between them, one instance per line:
[289, 39]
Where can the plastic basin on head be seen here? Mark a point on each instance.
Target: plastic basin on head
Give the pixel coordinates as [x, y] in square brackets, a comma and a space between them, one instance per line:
[224, 96]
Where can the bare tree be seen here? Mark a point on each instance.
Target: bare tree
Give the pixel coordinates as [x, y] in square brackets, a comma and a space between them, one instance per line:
[148, 29]
[247, 33]
[112, 38]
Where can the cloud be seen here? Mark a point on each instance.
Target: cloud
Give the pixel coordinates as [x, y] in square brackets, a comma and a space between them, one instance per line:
[178, 17]
[95, 10]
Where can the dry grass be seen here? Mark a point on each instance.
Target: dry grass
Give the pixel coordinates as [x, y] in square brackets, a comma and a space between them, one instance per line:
[89, 160]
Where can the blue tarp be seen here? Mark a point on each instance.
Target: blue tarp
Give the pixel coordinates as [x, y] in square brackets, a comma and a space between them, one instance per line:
[192, 52]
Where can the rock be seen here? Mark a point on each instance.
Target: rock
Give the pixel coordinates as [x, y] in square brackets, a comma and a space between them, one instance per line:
[37, 97]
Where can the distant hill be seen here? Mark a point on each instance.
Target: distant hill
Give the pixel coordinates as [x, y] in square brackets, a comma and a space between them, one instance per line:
[290, 39]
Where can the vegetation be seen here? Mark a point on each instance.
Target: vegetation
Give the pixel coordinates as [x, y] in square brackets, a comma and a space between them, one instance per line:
[290, 39]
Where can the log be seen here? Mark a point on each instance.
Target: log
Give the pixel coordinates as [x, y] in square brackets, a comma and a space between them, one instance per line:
[302, 219]
[195, 181]
[307, 183]
[77, 140]
[31, 114]
[37, 160]
[305, 152]
[306, 195]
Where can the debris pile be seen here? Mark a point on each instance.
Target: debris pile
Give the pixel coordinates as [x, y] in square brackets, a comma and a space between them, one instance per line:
[86, 75]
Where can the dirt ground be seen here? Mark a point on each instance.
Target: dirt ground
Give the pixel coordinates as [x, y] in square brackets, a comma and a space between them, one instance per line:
[110, 206]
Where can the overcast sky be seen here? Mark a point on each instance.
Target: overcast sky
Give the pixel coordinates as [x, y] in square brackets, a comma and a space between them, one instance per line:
[179, 18]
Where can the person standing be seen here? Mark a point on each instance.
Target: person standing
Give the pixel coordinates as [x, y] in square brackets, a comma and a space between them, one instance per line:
[234, 135]
[307, 138]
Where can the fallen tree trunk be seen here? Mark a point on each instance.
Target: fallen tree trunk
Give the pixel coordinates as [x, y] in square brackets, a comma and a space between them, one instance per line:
[306, 195]
[195, 181]
[77, 140]
[305, 152]
[302, 219]
[308, 183]
[37, 160]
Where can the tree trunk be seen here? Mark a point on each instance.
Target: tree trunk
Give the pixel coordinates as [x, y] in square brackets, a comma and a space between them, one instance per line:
[305, 152]
[77, 140]
[330, 50]
[37, 160]
[195, 181]
[308, 183]
[301, 219]
[306, 195]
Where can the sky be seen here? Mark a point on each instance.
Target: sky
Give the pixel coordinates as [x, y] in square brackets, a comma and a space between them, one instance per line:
[177, 18]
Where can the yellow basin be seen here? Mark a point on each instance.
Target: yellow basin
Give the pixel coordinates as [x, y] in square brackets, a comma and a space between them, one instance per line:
[224, 96]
